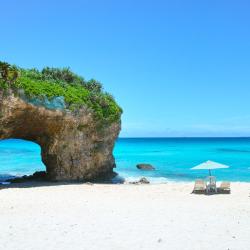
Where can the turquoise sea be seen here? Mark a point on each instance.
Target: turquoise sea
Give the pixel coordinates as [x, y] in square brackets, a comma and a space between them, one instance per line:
[172, 158]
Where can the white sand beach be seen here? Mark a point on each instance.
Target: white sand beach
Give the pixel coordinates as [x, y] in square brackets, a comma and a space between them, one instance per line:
[162, 216]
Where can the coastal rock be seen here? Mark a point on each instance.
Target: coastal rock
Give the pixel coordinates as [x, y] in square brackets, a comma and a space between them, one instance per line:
[37, 176]
[143, 180]
[73, 145]
[144, 166]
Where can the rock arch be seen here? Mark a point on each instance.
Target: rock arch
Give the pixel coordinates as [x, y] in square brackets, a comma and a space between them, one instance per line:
[73, 146]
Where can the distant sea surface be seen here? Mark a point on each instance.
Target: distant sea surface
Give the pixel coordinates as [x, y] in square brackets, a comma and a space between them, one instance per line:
[173, 158]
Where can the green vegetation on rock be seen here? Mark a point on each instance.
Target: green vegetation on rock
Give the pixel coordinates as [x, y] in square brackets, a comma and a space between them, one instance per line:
[54, 82]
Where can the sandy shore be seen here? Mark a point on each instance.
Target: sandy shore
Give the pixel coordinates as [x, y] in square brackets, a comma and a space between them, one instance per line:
[163, 216]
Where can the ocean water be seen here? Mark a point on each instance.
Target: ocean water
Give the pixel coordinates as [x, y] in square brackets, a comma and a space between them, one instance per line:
[18, 158]
[173, 158]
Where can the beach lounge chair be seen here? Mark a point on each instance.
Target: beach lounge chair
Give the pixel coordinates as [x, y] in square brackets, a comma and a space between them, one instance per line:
[225, 187]
[199, 186]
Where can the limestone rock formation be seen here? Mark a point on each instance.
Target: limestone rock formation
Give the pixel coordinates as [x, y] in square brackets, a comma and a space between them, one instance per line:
[73, 145]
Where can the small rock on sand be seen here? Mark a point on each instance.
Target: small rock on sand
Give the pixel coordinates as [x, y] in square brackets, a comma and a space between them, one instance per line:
[143, 180]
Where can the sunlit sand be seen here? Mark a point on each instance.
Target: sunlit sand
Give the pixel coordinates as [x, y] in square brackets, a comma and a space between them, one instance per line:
[99, 216]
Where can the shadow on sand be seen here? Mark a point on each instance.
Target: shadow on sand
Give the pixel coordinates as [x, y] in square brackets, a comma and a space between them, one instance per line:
[39, 179]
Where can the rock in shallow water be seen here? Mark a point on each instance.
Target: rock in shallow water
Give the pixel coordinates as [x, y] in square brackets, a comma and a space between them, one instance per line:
[37, 176]
[145, 166]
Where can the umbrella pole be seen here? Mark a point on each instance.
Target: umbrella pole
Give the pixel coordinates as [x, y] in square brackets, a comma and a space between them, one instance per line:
[209, 179]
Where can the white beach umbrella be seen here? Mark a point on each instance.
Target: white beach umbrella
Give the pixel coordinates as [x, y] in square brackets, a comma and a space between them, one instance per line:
[209, 165]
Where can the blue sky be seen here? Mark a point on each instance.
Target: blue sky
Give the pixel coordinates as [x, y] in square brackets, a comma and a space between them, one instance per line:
[177, 68]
